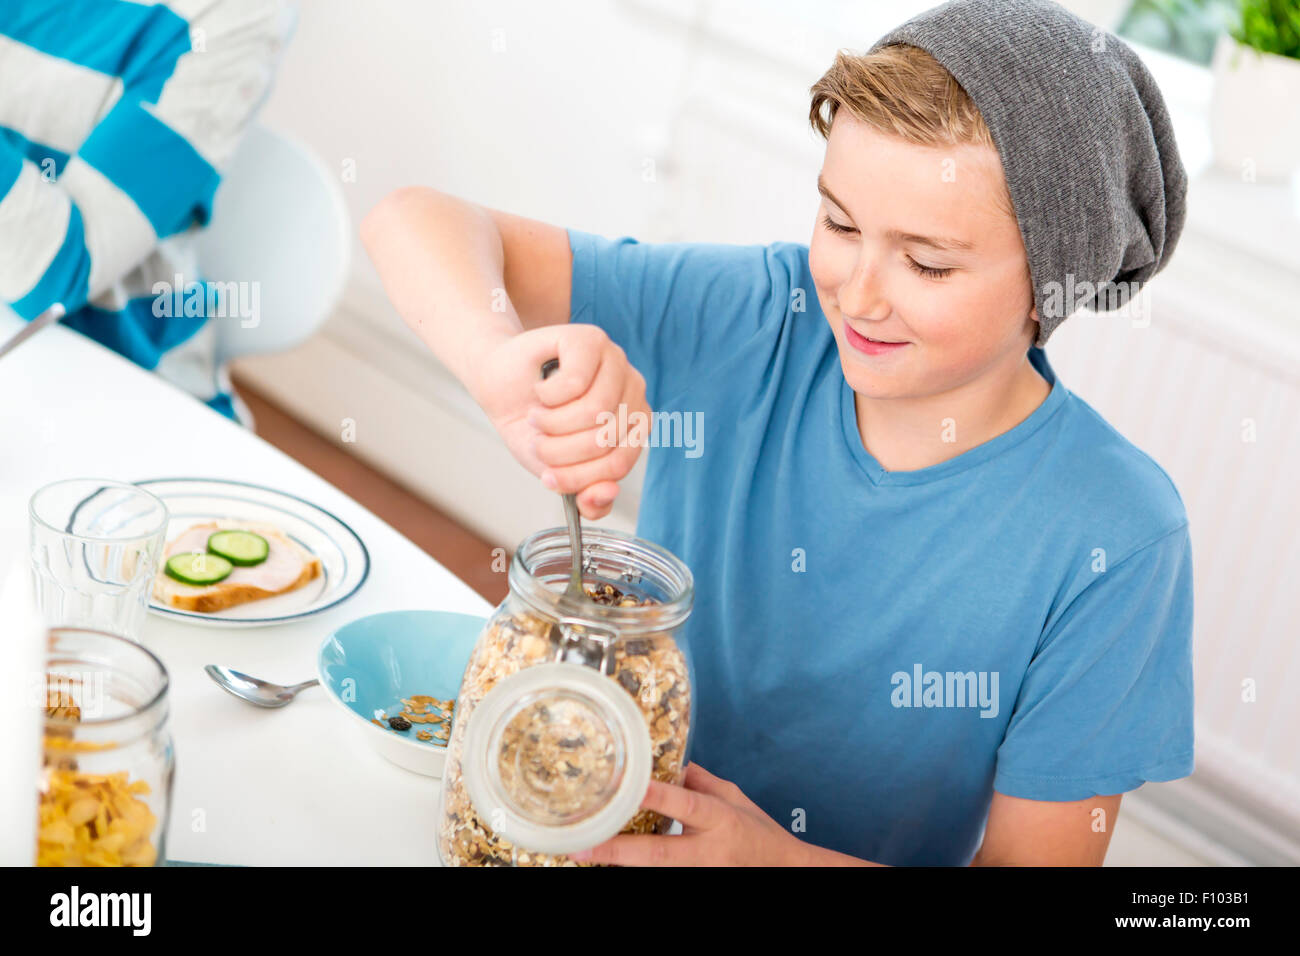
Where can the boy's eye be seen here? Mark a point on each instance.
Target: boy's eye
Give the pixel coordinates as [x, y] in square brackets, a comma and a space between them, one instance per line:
[834, 226]
[927, 271]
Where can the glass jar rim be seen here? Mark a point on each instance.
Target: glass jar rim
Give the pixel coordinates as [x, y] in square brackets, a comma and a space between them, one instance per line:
[104, 483]
[133, 714]
[645, 557]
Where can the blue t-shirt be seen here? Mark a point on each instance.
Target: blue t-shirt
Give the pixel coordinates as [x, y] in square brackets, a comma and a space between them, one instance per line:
[876, 652]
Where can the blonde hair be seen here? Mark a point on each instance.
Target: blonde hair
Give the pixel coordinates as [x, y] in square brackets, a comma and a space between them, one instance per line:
[903, 91]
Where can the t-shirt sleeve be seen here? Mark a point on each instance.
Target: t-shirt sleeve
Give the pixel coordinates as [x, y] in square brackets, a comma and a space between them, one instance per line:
[1106, 703]
[681, 310]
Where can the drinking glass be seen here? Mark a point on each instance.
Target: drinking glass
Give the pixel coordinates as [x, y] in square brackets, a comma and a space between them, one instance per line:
[96, 545]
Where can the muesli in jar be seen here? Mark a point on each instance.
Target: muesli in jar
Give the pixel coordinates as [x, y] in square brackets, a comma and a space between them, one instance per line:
[549, 750]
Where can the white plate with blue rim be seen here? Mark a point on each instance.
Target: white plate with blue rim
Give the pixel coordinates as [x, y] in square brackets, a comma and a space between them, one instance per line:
[345, 562]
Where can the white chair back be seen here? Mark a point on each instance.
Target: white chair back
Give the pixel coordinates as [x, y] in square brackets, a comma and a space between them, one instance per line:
[280, 230]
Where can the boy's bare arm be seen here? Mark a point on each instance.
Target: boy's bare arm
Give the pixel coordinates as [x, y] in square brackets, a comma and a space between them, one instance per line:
[488, 293]
[538, 268]
[1024, 832]
[444, 263]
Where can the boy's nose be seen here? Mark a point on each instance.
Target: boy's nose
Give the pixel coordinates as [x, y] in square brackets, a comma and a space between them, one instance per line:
[862, 296]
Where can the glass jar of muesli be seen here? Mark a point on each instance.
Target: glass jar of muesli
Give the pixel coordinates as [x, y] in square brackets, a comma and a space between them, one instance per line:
[569, 707]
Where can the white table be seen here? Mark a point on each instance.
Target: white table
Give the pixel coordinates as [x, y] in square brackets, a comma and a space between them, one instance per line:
[298, 786]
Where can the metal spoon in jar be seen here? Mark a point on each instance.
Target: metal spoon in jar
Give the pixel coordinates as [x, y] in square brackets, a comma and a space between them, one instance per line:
[255, 690]
[572, 519]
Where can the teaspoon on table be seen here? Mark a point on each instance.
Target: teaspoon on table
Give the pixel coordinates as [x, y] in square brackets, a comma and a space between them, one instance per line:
[254, 690]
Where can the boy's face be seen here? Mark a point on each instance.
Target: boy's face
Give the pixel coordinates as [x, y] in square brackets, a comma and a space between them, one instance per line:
[962, 310]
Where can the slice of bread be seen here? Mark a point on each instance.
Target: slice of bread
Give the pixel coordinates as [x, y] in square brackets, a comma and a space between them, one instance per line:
[287, 567]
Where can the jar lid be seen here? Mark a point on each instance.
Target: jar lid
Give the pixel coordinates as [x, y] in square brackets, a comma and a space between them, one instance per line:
[557, 758]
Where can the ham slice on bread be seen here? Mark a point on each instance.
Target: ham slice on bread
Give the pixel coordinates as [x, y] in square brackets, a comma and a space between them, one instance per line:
[287, 567]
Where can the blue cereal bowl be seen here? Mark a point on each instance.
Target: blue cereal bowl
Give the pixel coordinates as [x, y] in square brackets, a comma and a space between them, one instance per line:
[370, 664]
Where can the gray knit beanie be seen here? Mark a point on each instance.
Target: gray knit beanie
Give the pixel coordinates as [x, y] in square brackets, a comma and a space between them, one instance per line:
[1085, 140]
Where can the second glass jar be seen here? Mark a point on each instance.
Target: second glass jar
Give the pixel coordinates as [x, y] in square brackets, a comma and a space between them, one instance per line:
[104, 791]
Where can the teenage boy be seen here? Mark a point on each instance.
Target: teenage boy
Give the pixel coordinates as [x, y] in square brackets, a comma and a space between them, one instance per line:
[943, 610]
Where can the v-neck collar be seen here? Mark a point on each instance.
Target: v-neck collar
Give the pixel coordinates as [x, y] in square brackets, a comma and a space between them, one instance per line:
[967, 459]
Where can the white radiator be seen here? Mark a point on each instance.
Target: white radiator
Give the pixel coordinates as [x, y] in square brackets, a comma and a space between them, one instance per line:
[1191, 390]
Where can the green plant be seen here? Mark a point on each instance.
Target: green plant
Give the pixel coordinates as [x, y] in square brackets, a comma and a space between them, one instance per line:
[1186, 28]
[1270, 26]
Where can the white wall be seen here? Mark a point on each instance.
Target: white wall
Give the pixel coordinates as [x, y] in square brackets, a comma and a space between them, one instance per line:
[542, 109]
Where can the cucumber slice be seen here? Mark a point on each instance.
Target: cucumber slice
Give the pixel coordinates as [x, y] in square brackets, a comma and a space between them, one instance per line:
[243, 549]
[196, 567]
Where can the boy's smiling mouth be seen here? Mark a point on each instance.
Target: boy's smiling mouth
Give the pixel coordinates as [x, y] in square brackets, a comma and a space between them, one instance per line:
[871, 346]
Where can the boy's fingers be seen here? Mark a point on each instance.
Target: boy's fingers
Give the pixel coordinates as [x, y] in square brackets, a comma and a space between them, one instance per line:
[571, 479]
[697, 778]
[535, 346]
[640, 849]
[604, 395]
[694, 809]
[580, 353]
[598, 500]
[560, 450]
